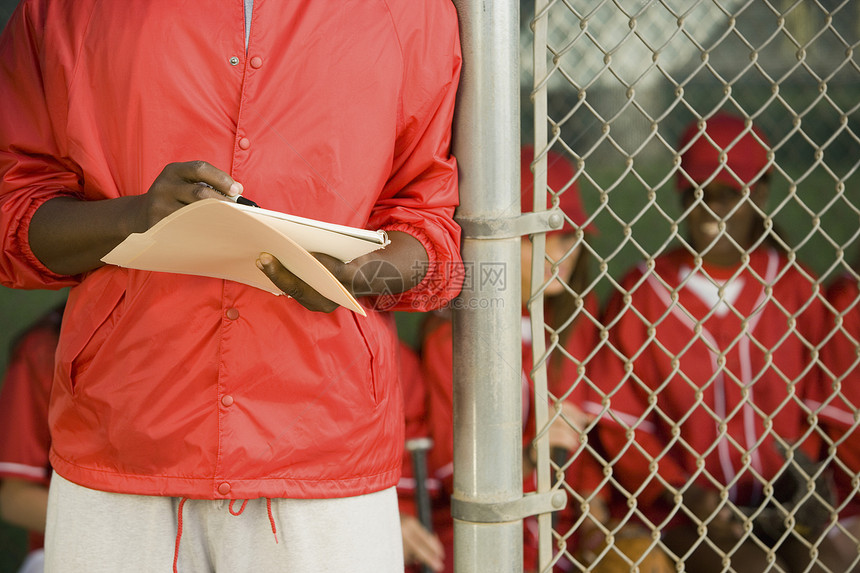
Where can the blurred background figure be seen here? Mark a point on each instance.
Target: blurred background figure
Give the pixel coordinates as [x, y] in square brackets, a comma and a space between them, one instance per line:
[839, 414]
[24, 468]
[422, 548]
[708, 380]
[571, 316]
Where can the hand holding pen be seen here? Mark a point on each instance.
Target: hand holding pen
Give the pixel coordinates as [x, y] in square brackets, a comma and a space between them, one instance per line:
[181, 184]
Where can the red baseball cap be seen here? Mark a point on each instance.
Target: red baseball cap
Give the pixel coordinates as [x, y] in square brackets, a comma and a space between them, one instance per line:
[560, 172]
[745, 159]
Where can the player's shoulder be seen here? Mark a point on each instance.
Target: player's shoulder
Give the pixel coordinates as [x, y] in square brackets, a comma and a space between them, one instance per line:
[57, 11]
[791, 269]
[42, 336]
[844, 290]
[663, 268]
[418, 7]
[429, 15]
[54, 25]
[847, 281]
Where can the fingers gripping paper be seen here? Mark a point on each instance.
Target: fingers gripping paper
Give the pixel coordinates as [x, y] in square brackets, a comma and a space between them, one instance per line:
[223, 240]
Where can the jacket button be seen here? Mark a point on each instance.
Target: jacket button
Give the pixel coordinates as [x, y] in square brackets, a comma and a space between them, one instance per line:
[234, 61]
[224, 488]
[232, 313]
[227, 400]
[256, 62]
[244, 143]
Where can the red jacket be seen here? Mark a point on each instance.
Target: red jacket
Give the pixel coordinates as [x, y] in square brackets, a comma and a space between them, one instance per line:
[839, 414]
[744, 359]
[188, 386]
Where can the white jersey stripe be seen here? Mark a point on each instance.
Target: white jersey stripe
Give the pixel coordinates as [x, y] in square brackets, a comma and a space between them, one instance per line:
[23, 470]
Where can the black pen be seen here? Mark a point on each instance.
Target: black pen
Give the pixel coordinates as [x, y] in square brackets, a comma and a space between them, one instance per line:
[242, 200]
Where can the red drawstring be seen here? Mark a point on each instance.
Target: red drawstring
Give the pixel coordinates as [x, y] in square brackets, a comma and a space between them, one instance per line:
[271, 518]
[178, 535]
[230, 509]
[241, 509]
[268, 509]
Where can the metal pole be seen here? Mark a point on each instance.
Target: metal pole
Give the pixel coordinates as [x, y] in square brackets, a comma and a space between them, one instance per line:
[539, 99]
[487, 331]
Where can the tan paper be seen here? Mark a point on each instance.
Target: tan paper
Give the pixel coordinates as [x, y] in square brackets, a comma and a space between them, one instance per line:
[223, 240]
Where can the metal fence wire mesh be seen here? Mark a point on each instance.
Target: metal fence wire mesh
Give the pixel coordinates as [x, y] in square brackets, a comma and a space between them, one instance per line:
[704, 363]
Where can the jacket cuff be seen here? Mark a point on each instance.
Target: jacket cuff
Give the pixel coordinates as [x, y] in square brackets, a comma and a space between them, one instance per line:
[44, 277]
[442, 280]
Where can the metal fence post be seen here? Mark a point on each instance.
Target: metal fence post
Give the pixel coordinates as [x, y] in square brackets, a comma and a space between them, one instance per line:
[487, 334]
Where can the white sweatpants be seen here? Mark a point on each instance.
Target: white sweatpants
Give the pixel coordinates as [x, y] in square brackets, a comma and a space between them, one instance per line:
[96, 531]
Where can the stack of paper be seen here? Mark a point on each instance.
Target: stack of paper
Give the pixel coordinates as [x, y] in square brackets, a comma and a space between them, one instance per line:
[222, 239]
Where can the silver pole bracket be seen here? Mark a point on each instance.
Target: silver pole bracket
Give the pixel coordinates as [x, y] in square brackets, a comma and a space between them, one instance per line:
[510, 227]
[528, 504]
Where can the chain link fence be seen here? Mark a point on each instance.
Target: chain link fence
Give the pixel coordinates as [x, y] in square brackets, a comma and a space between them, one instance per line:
[717, 421]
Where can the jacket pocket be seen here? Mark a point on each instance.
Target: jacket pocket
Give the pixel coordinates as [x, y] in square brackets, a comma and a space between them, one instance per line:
[88, 319]
[371, 344]
[379, 334]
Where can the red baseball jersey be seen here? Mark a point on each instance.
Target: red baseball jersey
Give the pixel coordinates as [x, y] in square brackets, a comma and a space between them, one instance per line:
[839, 412]
[704, 368]
[24, 406]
